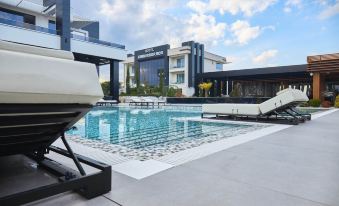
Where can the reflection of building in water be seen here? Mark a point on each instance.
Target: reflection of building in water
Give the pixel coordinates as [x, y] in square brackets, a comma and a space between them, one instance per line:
[92, 129]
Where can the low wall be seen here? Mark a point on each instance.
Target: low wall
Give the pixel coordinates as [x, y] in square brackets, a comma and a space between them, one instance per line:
[213, 100]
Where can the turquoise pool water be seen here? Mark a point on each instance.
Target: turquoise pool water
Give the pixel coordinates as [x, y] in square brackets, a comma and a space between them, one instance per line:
[145, 133]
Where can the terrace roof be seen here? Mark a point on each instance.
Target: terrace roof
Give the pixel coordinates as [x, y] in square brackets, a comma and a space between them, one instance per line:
[292, 72]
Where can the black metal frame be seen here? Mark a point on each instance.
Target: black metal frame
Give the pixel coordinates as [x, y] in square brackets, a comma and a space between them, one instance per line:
[89, 186]
[284, 115]
[30, 129]
[147, 104]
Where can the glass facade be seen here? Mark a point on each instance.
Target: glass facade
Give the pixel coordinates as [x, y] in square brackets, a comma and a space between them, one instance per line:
[149, 71]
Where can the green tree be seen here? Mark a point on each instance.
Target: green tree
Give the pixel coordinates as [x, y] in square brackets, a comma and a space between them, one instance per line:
[128, 85]
[161, 82]
[137, 78]
[105, 87]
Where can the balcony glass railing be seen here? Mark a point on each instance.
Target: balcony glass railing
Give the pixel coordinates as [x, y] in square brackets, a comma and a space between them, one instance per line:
[27, 26]
[97, 41]
[51, 31]
[178, 66]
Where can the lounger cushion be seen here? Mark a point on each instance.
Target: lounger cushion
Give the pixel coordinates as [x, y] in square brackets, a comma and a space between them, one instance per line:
[9, 46]
[229, 109]
[283, 91]
[31, 78]
[290, 97]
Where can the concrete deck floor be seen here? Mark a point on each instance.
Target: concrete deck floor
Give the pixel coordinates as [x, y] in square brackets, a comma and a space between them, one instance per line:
[296, 166]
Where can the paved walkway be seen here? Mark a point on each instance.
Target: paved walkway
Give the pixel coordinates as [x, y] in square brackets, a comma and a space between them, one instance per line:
[296, 166]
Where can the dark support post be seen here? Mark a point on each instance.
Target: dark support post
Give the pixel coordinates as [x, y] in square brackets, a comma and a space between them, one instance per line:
[224, 87]
[218, 88]
[212, 90]
[98, 70]
[114, 79]
[230, 86]
[75, 159]
[63, 23]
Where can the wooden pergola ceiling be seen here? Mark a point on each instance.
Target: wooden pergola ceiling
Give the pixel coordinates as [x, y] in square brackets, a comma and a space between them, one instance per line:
[327, 63]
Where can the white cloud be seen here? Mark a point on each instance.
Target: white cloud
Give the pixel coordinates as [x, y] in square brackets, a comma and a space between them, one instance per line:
[145, 23]
[247, 7]
[242, 33]
[139, 22]
[289, 4]
[322, 2]
[330, 10]
[204, 28]
[287, 9]
[197, 6]
[264, 56]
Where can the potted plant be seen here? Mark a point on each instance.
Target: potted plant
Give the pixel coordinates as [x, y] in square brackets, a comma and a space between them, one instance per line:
[336, 104]
[206, 86]
[314, 102]
[326, 104]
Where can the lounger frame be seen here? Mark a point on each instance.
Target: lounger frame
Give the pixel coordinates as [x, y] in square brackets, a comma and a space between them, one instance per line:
[29, 130]
[286, 115]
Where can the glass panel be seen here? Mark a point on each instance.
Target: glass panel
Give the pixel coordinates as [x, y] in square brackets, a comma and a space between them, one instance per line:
[180, 63]
[149, 71]
[180, 78]
[51, 25]
[218, 67]
[12, 17]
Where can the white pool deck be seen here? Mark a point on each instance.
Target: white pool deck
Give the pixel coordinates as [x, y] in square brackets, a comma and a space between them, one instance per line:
[278, 165]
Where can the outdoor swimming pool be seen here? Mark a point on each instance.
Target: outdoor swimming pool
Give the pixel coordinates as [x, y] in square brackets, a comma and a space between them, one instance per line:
[144, 134]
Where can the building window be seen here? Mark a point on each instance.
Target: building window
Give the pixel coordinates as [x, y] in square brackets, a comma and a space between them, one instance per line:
[132, 69]
[51, 25]
[180, 78]
[180, 63]
[218, 67]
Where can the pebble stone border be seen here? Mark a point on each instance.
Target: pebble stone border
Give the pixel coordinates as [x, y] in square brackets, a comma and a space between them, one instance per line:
[159, 150]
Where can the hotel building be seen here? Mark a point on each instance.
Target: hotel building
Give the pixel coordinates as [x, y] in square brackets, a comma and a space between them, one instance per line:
[179, 66]
[52, 24]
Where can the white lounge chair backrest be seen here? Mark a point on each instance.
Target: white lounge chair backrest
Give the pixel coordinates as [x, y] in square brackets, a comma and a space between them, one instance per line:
[38, 75]
[284, 98]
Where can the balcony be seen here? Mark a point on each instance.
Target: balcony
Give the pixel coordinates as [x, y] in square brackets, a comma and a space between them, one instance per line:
[177, 68]
[176, 83]
[35, 35]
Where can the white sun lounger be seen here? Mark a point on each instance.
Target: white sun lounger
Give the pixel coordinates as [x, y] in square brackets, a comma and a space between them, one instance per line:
[281, 105]
[38, 75]
[103, 102]
[43, 93]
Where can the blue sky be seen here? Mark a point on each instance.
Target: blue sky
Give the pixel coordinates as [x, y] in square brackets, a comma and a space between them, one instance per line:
[250, 33]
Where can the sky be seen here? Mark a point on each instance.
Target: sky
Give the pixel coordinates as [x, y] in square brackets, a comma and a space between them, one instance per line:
[249, 33]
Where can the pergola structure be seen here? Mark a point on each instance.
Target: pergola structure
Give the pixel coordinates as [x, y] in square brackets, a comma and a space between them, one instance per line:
[258, 82]
[324, 70]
